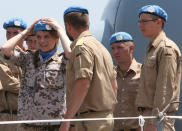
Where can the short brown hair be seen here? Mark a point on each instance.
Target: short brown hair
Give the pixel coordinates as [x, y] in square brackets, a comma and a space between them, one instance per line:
[77, 19]
[158, 17]
[55, 35]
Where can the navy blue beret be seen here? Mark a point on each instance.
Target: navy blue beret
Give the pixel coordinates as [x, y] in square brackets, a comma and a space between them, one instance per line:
[120, 37]
[155, 10]
[15, 22]
[41, 26]
[75, 9]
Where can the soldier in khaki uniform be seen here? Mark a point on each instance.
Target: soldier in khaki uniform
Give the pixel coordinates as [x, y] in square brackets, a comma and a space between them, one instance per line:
[91, 79]
[128, 75]
[161, 71]
[10, 77]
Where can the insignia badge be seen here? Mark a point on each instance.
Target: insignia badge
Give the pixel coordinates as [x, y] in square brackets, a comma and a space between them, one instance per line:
[151, 9]
[78, 55]
[168, 54]
[17, 23]
[119, 37]
[48, 27]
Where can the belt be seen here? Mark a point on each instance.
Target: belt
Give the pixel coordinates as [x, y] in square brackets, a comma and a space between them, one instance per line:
[128, 130]
[142, 109]
[45, 127]
[79, 113]
[9, 111]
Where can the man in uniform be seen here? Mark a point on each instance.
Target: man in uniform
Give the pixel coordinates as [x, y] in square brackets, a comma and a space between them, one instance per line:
[128, 75]
[161, 71]
[91, 79]
[10, 77]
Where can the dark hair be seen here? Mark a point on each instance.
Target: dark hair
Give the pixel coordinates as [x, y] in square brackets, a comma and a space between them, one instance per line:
[77, 19]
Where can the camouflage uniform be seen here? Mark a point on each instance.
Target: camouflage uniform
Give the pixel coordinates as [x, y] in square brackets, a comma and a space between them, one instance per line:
[42, 91]
[9, 88]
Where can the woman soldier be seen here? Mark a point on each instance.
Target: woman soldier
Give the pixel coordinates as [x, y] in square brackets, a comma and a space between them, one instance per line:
[42, 91]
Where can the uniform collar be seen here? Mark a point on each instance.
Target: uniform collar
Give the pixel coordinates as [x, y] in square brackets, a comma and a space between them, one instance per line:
[158, 39]
[53, 57]
[83, 34]
[133, 67]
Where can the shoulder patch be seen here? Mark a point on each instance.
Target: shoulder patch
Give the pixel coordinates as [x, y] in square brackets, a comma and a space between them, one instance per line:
[79, 42]
[168, 55]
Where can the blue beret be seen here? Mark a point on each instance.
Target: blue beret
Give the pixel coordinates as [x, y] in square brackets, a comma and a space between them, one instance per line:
[155, 10]
[41, 26]
[120, 37]
[75, 9]
[15, 22]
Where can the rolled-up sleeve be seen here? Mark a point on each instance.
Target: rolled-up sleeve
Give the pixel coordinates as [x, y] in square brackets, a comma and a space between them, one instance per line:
[83, 63]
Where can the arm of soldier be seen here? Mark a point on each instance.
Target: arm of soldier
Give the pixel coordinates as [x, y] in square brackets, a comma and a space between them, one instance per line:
[167, 70]
[114, 86]
[83, 67]
[8, 81]
[78, 95]
[9, 46]
[1, 86]
[63, 37]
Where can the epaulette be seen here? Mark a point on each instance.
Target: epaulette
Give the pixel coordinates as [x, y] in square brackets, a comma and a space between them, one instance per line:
[79, 42]
[168, 43]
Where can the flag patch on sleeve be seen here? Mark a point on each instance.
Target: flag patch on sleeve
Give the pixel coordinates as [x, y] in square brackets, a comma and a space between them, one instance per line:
[78, 55]
[168, 54]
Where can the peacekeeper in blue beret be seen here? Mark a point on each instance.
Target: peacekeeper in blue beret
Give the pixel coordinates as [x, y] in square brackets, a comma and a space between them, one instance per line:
[15, 22]
[10, 77]
[161, 71]
[91, 78]
[31, 42]
[128, 76]
[42, 92]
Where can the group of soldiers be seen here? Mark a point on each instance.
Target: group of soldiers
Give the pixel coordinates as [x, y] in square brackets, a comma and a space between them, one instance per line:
[82, 82]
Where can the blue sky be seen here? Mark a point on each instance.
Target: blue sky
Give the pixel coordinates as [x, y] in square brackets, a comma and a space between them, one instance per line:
[31, 10]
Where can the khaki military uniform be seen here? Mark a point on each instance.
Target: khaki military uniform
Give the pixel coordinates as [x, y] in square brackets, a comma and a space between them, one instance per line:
[90, 59]
[127, 90]
[160, 77]
[9, 88]
[42, 93]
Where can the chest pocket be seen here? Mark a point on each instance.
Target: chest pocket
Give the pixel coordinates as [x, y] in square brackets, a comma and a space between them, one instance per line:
[133, 85]
[54, 77]
[29, 77]
[151, 61]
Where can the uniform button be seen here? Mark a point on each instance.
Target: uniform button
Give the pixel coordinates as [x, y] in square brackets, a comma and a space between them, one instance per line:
[123, 90]
[122, 111]
[122, 101]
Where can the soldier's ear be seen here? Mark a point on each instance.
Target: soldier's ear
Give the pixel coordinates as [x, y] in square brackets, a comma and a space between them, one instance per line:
[159, 21]
[132, 47]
